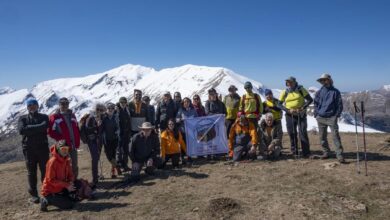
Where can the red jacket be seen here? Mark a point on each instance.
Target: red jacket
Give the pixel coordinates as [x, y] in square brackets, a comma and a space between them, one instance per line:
[58, 173]
[59, 130]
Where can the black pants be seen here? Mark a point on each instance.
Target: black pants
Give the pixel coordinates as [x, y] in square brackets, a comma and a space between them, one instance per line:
[95, 150]
[123, 150]
[175, 159]
[34, 158]
[228, 125]
[110, 148]
[62, 200]
[300, 121]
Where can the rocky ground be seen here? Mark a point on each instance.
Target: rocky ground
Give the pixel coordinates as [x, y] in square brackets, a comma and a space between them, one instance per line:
[284, 189]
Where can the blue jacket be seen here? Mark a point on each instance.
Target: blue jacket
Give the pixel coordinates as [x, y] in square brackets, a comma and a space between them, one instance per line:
[328, 102]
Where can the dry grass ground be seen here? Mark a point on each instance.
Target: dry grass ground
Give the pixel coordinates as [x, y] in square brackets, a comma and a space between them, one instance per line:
[285, 189]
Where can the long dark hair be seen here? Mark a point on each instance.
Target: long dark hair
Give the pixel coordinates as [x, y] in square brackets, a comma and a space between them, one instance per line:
[175, 129]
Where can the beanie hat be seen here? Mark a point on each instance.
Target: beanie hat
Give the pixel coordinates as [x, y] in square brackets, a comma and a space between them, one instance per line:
[31, 101]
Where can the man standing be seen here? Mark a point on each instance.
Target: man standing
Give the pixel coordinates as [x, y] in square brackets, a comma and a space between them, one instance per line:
[232, 103]
[251, 105]
[328, 106]
[166, 109]
[144, 150]
[294, 101]
[213, 104]
[124, 134]
[151, 110]
[63, 125]
[177, 100]
[33, 128]
[138, 112]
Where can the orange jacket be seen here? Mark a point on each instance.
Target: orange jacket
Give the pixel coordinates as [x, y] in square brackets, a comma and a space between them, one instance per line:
[58, 173]
[237, 129]
[169, 145]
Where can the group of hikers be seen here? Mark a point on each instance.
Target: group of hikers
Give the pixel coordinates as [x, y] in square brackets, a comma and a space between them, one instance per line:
[150, 137]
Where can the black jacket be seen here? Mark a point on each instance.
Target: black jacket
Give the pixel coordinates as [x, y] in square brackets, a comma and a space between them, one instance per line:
[215, 107]
[165, 111]
[142, 149]
[33, 128]
[124, 121]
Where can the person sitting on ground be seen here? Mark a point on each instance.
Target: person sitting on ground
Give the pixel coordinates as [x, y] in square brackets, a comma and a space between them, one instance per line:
[271, 137]
[58, 183]
[242, 139]
[144, 150]
[172, 144]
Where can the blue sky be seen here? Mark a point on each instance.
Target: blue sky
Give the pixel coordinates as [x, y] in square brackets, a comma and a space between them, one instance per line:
[264, 40]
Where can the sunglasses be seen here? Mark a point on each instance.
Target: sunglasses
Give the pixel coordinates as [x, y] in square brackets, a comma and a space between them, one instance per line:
[123, 102]
[64, 103]
[110, 109]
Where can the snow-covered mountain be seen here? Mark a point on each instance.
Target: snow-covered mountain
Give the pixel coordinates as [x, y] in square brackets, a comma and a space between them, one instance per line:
[84, 92]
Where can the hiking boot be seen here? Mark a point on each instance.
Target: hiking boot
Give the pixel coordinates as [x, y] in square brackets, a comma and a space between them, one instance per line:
[126, 169]
[119, 171]
[341, 160]
[44, 205]
[34, 199]
[113, 175]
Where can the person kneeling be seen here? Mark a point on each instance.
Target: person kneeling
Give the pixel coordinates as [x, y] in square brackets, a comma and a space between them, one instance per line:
[144, 150]
[271, 137]
[242, 139]
[59, 187]
[172, 144]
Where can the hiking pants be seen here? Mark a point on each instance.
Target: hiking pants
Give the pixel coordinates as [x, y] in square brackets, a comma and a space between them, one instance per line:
[123, 150]
[228, 125]
[242, 151]
[110, 148]
[34, 158]
[74, 160]
[323, 124]
[94, 150]
[60, 200]
[175, 159]
[292, 124]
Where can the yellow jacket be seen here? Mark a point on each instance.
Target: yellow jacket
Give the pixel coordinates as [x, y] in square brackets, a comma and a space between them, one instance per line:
[271, 108]
[294, 99]
[251, 106]
[237, 129]
[169, 145]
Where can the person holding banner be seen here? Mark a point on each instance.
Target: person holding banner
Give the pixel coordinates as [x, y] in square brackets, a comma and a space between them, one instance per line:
[242, 139]
[172, 144]
[186, 111]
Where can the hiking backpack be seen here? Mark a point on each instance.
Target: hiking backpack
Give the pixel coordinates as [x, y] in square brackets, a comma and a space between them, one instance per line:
[83, 129]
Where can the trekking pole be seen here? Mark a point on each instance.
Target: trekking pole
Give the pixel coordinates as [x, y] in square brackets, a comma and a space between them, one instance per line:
[299, 145]
[364, 135]
[356, 138]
